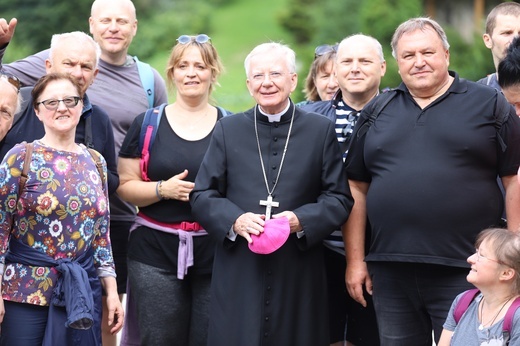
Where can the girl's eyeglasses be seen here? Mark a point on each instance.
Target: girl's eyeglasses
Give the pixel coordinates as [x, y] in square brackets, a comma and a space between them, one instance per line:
[480, 256]
[201, 38]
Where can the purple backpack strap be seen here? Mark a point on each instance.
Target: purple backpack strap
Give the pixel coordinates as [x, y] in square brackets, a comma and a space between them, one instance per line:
[508, 318]
[463, 303]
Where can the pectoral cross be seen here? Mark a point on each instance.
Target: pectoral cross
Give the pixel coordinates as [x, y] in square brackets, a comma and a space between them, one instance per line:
[269, 203]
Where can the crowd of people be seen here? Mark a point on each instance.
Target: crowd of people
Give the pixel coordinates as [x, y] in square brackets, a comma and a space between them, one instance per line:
[355, 217]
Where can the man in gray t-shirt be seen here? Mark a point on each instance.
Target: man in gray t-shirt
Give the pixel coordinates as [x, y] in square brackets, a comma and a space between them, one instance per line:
[117, 89]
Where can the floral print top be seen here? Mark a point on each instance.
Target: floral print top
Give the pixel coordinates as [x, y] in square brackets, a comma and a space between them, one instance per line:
[62, 212]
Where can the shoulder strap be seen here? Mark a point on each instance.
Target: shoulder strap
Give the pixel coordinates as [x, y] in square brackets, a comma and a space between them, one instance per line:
[463, 303]
[89, 141]
[376, 108]
[223, 111]
[508, 320]
[502, 110]
[151, 121]
[99, 165]
[147, 80]
[489, 79]
[26, 164]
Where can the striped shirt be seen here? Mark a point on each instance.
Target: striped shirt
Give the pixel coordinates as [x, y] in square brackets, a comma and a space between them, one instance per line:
[346, 118]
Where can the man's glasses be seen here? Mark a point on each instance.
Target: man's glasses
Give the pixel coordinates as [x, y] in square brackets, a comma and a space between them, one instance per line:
[13, 80]
[273, 76]
[69, 102]
[324, 49]
[201, 38]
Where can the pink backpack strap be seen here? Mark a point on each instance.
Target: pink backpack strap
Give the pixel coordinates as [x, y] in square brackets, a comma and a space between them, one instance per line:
[508, 318]
[149, 128]
[145, 153]
[463, 303]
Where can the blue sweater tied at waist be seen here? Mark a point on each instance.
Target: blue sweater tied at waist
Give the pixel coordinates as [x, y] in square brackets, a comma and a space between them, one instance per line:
[72, 290]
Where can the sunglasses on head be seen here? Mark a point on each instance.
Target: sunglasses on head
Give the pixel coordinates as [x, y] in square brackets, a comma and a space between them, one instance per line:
[201, 38]
[13, 80]
[324, 49]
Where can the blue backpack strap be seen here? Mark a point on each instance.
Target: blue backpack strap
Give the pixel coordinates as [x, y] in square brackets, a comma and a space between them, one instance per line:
[223, 111]
[463, 303]
[149, 128]
[147, 80]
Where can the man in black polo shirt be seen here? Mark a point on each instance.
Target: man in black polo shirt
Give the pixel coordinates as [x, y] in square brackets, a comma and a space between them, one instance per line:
[425, 174]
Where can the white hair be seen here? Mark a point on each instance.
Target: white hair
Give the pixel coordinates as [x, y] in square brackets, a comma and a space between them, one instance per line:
[77, 36]
[271, 48]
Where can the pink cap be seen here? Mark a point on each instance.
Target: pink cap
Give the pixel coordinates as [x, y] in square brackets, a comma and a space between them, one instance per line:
[275, 234]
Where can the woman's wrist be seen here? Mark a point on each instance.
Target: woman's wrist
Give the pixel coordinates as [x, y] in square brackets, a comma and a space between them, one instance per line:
[159, 191]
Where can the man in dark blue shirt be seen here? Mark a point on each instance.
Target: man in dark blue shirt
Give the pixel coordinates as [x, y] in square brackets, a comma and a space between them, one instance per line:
[76, 54]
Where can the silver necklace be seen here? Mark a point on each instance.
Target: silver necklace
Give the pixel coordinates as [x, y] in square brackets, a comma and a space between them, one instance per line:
[269, 202]
[489, 323]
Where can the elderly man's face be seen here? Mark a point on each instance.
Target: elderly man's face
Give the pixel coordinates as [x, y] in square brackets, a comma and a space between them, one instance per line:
[270, 82]
[512, 95]
[359, 68]
[423, 62]
[74, 58]
[8, 103]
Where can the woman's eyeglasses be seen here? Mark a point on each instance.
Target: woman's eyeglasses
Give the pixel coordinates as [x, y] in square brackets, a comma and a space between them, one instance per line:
[480, 256]
[201, 38]
[324, 49]
[13, 80]
[69, 102]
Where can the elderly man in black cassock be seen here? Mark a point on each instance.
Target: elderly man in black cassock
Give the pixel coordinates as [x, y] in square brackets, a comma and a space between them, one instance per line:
[271, 164]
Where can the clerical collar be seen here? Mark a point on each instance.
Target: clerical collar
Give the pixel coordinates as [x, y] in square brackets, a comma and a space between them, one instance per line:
[275, 117]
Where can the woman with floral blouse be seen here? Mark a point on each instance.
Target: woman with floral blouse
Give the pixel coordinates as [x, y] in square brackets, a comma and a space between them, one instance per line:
[54, 234]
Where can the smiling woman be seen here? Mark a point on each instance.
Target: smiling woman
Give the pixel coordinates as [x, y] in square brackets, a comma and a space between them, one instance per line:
[157, 260]
[495, 268]
[58, 107]
[50, 246]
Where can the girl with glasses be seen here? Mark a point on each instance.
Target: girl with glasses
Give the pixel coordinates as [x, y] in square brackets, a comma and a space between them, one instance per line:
[495, 268]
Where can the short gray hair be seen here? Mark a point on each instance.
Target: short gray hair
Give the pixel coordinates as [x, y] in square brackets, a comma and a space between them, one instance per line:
[271, 47]
[77, 36]
[420, 23]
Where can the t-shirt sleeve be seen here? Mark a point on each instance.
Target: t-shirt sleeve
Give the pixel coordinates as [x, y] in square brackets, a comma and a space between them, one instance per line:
[130, 146]
[450, 323]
